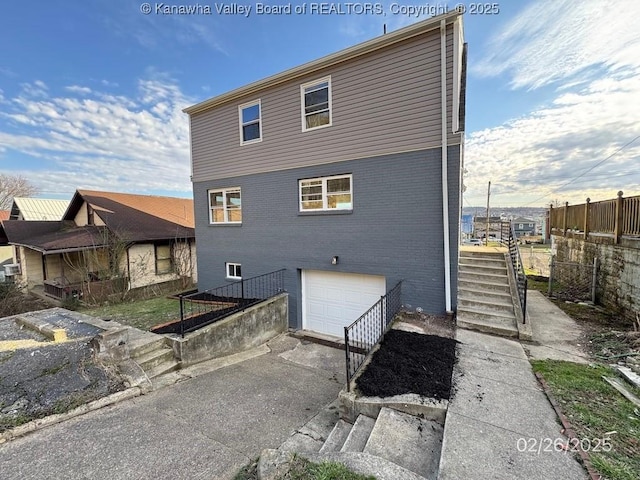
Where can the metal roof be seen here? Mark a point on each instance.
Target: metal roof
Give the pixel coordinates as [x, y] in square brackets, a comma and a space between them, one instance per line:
[38, 209]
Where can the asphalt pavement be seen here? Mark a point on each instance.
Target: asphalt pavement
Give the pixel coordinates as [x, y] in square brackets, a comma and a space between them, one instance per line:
[205, 428]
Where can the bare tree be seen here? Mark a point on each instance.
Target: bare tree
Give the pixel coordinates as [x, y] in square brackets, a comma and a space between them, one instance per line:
[14, 186]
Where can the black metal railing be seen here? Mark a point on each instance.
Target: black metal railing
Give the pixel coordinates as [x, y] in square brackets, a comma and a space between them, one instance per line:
[203, 308]
[508, 238]
[362, 335]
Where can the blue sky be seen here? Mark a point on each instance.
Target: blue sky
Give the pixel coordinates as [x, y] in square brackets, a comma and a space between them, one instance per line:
[91, 92]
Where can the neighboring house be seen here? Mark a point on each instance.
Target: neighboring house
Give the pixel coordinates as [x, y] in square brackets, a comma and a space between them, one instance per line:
[26, 208]
[524, 227]
[344, 171]
[6, 251]
[107, 241]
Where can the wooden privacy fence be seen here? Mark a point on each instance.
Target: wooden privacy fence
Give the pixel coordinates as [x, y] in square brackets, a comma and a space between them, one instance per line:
[617, 217]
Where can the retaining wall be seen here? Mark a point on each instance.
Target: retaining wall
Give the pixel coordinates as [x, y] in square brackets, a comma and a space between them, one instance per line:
[618, 280]
[236, 333]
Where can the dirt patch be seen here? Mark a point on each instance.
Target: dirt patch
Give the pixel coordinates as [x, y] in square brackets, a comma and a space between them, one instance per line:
[408, 362]
[438, 325]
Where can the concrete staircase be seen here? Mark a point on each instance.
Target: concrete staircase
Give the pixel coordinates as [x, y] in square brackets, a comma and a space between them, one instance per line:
[394, 446]
[484, 295]
[153, 355]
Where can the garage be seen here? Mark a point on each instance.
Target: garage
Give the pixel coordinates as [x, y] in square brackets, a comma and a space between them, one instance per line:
[333, 300]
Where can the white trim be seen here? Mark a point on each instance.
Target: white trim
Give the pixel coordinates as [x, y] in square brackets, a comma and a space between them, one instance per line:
[326, 80]
[226, 270]
[241, 123]
[325, 206]
[458, 44]
[225, 207]
[303, 298]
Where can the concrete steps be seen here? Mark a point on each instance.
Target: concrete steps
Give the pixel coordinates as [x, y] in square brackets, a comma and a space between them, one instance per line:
[410, 442]
[153, 355]
[484, 295]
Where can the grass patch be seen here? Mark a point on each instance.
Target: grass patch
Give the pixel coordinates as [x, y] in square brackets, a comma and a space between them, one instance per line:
[594, 408]
[142, 314]
[302, 469]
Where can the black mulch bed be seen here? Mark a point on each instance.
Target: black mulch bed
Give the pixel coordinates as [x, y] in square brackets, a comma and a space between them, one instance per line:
[409, 362]
[198, 321]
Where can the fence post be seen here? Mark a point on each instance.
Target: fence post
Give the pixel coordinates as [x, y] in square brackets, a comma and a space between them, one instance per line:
[548, 228]
[594, 279]
[550, 276]
[564, 220]
[617, 230]
[586, 220]
[181, 316]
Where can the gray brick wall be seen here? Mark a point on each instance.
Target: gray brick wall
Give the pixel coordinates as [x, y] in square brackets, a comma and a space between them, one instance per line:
[395, 228]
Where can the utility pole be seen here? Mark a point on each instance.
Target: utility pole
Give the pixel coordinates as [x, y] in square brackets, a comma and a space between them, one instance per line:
[486, 233]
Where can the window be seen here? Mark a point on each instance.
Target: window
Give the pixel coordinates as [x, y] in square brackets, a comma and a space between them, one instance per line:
[164, 262]
[234, 271]
[316, 104]
[225, 206]
[250, 123]
[520, 226]
[90, 215]
[326, 193]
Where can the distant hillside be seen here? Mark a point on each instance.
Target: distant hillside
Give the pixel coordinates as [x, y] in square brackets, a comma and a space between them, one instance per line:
[534, 213]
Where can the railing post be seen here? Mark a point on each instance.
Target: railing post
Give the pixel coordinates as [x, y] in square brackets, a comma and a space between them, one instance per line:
[564, 220]
[550, 276]
[586, 220]
[346, 351]
[181, 316]
[617, 230]
[548, 228]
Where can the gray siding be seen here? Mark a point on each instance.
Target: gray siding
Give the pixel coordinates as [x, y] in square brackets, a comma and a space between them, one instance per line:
[384, 102]
[395, 228]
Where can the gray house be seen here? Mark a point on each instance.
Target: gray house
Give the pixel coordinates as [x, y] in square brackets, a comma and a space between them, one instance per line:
[344, 171]
[523, 227]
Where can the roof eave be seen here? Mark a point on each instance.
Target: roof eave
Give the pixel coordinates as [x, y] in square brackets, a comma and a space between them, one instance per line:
[327, 61]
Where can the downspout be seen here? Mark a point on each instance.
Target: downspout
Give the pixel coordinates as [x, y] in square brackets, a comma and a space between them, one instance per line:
[445, 180]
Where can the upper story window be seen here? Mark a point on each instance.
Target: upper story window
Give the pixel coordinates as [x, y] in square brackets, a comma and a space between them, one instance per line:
[316, 104]
[234, 271]
[225, 206]
[326, 193]
[250, 122]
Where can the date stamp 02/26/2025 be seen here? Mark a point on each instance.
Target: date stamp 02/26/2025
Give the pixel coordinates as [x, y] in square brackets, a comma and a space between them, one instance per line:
[571, 445]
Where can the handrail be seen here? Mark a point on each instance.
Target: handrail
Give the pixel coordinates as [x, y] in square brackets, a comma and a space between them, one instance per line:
[364, 334]
[508, 238]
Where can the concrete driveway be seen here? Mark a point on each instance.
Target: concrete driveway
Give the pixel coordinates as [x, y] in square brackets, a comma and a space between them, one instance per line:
[207, 427]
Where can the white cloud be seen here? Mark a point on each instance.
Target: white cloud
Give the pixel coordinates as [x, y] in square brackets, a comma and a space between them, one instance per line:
[592, 54]
[78, 89]
[553, 40]
[138, 144]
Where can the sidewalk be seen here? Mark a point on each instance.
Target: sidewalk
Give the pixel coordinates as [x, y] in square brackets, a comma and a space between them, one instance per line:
[500, 424]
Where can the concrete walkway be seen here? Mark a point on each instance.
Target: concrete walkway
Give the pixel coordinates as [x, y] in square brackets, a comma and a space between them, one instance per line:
[556, 335]
[205, 428]
[499, 416]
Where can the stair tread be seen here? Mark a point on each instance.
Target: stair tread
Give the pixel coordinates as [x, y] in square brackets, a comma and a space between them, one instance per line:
[337, 437]
[478, 311]
[359, 434]
[164, 367]
[408, 441]
[153, 354]
[489, 302]
[480, 291]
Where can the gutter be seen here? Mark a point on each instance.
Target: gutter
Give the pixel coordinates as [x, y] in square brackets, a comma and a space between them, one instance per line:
[445, 179]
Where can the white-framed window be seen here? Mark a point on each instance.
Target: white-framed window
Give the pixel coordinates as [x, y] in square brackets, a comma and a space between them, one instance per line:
[316, 104]
[225, 206]
[250, 118]
[520, 226]
[164, 260]
[326, 193]
[233, 271]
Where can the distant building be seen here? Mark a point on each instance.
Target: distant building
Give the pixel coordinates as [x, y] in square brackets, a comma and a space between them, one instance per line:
[480, 226]
[524, 227]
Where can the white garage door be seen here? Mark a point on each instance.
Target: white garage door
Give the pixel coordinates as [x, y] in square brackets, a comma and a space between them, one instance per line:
[332, 301]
